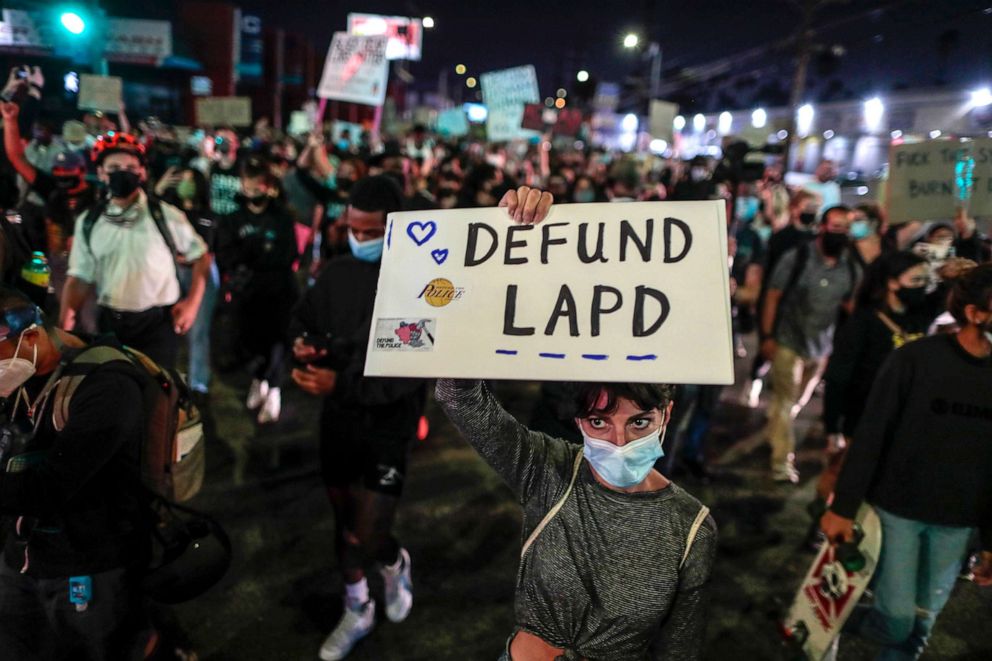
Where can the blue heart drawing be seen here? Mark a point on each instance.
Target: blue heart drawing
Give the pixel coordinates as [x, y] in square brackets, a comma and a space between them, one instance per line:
[421, 233]
[440, 255]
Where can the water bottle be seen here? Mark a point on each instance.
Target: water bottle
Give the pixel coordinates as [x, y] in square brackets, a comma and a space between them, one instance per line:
[36, 275]
[37, 271]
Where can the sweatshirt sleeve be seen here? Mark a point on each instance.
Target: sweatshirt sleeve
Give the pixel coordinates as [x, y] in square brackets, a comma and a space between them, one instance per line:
[682, 635]
[874, 432]
[848, 350]
[533, 465]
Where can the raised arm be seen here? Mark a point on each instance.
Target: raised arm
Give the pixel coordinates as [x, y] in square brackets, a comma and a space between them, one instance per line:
[13, 144]
[532, 464]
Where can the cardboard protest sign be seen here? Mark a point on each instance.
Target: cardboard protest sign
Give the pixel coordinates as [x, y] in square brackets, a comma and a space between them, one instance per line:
[223, 110]
[356, 69]
[452, 122]
[99, 93]
[662, 119]
[614, 292]
[569, 122]
[922, 179]
[505, 93]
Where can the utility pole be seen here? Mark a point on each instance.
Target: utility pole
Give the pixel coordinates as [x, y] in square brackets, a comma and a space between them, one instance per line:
[804, 39]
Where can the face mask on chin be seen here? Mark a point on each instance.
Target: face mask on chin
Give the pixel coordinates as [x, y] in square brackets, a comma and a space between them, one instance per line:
[15, 371]
[627, 465]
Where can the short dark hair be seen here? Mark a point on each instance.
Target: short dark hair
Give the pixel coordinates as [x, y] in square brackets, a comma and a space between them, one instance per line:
[875, 286]
[648, 396]
[257, 167]
[972, 288]
[843, 208]
[376, 193]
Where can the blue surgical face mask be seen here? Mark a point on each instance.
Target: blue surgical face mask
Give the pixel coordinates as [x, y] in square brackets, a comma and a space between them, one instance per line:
[585, 196]
[627, 465]
[746, 208]
[860, 229]
[764, 233]
[366, 251]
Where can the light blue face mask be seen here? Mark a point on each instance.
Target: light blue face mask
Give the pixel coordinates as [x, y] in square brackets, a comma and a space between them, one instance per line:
[366, 251]
[764, 233]
[746, 208]
[860, 229]
[627, 465]
[585, 196]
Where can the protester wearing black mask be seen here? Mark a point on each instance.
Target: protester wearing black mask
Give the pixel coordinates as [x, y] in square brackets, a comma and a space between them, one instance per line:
[802, 215]
[256, 249]
[806, 291]
[128, 248]
[894, 307]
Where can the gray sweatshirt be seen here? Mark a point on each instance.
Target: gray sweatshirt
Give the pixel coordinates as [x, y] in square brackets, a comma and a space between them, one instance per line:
[603, 578]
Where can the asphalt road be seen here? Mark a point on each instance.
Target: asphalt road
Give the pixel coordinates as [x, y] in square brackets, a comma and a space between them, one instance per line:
[461, 526]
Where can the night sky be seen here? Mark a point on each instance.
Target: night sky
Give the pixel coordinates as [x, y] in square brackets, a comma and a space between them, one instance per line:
[887, 44]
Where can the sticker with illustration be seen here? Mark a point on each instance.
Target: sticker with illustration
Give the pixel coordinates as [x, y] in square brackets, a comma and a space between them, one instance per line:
[404, 334]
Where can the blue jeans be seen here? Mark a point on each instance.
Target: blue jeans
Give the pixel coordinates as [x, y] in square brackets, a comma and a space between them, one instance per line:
[199, 335]
[917, 568]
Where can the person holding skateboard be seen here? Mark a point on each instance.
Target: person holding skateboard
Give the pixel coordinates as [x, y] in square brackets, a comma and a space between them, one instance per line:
[921, 457]
[617, 558]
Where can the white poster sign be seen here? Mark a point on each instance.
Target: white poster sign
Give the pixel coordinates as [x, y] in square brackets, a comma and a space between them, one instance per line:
[99, 93]
[922, 182]
[597, 292]
[452, 122]
[662, 119]
[406, 35]
[505, 94]
[223, 110]
[138, 40]
[356, 69]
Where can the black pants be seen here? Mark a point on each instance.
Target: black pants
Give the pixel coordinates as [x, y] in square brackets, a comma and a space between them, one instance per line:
[151, 332]
[38, 623]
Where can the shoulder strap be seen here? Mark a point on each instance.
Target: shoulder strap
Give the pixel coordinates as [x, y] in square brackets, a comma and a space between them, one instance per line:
[852, 271]
[155, 209]
[68, 384]
[802, 256]
[891, 325]
[554, 510]
[89, 221]
[693, 531]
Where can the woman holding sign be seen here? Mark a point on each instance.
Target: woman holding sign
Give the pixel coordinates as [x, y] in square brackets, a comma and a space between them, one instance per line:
[617, 558]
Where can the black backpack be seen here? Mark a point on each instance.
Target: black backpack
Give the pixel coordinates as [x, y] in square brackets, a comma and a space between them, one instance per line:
[154, 208]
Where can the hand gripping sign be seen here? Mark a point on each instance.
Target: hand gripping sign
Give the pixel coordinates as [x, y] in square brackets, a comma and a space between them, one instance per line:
[597, 292]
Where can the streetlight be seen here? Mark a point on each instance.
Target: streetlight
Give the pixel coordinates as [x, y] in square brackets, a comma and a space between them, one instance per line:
[981, 97]
[699, 122]
[631, 40]
[582, 76]
[72, 22]
[428, 22]
[759, 118]
[804, 119]
[470, 82]
[460, 69]
[874, 109]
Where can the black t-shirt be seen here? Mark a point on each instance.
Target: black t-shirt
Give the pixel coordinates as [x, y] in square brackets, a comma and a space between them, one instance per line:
[83, 506]
[225, 184]
[923, 451]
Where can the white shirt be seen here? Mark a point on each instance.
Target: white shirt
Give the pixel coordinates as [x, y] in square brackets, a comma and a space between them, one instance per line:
[129, 261]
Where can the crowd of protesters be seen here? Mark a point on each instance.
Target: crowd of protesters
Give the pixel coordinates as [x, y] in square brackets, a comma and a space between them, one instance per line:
[233, 244]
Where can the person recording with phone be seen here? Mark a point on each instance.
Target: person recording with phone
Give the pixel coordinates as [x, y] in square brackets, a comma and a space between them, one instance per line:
[366, 424]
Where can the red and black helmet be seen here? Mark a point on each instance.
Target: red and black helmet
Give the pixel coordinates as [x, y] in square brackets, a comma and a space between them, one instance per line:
[113, 142]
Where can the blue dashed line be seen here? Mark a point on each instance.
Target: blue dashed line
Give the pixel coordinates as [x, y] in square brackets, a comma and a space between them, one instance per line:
[649, 356]
[595, 356]
[551, 355]
[586, 356]
[506, 352]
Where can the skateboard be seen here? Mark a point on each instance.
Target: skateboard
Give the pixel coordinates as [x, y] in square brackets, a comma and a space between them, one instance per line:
[833, 585]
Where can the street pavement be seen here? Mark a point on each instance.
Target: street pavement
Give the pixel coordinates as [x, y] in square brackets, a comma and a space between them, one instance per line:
[462, 527]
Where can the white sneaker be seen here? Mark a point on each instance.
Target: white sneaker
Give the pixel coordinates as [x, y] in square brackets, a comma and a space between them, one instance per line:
[257, 393]
[271, 408]
[786, 473]
[399, 589]
[355, 624]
